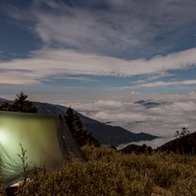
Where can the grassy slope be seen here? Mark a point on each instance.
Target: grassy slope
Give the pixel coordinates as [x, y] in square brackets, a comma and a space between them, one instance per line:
[109, 172]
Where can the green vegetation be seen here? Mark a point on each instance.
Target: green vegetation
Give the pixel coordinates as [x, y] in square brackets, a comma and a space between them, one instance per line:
[110, 172]
[25, 165]
[77, 129]
[184, 132]
[20, 104]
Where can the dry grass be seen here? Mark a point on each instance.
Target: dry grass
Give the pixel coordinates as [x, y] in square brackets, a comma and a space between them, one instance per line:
[109, 172]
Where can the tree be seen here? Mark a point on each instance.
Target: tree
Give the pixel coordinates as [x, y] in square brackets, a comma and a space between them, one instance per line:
[76, 127]
[184, 132]
[5, 106]
[20, 104]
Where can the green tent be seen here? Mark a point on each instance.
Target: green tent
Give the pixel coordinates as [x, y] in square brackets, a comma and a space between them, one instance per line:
[45, 138]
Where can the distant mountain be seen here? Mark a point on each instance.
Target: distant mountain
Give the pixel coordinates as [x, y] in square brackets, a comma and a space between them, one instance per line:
[47, 108]
[4, 100]
[105, 134]
[184, 145]
[149, 103]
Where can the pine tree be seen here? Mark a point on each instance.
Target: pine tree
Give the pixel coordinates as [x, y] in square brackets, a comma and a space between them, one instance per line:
[184, 132]
[76, 127]
[5, 106]
[20, 104]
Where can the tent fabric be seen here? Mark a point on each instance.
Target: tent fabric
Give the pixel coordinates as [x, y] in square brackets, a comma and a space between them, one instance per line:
[45, 139]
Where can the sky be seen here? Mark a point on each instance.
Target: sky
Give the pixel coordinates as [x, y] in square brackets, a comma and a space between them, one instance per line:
[101, 56]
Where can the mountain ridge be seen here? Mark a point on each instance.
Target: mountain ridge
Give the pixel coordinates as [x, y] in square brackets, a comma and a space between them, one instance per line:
[149, 103]
[105, 134]
[182, 145]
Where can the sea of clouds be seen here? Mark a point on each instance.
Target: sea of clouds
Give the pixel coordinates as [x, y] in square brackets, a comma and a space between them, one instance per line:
[162, 120]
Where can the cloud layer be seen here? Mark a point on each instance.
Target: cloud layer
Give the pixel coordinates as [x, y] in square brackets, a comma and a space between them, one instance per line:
[105, 38]
[47, 64]
[161, 120]
[130, 29]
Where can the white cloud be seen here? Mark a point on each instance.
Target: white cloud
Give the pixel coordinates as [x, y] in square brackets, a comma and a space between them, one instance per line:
[192, 94]
[160, 83]
[78, 78]
[44, 64]
[134, 93]
[127, 29]
[153, 143]
[156, 76]
[162, 120]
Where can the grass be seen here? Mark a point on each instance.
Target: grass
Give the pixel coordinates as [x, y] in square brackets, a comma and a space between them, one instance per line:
[110, 172]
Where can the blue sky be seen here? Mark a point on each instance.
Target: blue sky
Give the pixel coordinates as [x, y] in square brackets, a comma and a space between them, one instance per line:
[71, 51]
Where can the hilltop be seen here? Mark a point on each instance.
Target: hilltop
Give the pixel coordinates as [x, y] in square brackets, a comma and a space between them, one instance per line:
[183, 145]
